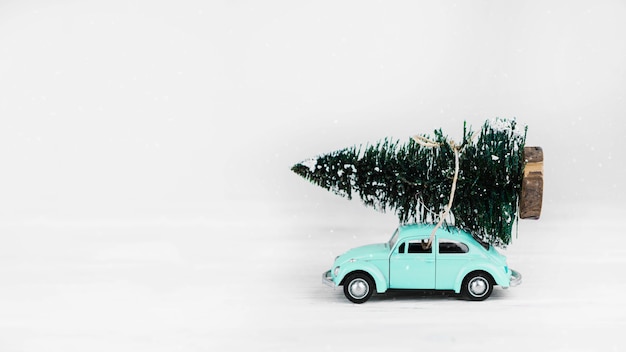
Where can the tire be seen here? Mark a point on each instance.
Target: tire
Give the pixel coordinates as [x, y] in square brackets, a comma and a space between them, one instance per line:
[358, 287]
[477, 286]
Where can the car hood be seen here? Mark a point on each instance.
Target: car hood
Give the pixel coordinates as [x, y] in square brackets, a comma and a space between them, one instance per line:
[367, 252]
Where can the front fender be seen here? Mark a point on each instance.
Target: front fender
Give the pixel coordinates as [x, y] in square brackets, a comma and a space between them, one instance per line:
[371, 269]
[502, 279]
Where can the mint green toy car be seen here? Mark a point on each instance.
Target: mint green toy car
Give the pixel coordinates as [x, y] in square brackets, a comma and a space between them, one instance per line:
[455, 261]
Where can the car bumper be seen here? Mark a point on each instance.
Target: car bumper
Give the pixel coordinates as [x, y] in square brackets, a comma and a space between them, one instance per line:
[327, 279]
[516, 278]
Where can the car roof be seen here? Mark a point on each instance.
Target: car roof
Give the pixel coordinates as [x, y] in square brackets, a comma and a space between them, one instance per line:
[411, 230]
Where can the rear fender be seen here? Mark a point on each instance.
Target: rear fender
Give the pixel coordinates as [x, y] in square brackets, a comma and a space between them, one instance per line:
[499, 276]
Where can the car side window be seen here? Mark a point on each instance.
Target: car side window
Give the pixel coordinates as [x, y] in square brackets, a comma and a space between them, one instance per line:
[419, 247]
[416, 246]
[452, 247]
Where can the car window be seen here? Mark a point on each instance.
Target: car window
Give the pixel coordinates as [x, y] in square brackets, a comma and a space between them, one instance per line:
[452, 247]
[418, 247]
[414, 247]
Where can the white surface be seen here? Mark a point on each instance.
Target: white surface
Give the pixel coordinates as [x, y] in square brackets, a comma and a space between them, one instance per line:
[146, 202]
[196, 285]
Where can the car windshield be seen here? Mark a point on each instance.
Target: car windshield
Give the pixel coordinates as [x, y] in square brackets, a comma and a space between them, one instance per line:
[393, 239]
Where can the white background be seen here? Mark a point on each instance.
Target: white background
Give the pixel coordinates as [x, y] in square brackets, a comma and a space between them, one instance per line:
[146, 201]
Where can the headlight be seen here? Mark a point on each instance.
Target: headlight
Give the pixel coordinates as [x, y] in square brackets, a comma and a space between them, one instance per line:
[336, 271]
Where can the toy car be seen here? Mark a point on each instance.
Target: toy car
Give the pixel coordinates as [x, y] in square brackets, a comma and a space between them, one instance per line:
[455, 261]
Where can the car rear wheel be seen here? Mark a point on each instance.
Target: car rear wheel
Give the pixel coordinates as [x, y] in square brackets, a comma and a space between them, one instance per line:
[358, 287]
[477, 286]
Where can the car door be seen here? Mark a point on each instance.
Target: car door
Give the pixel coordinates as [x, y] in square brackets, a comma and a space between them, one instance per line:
[452, 257]
[411, 266]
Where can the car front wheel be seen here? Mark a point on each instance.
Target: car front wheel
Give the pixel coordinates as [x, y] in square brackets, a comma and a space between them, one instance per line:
[477, 286]
[358, 287]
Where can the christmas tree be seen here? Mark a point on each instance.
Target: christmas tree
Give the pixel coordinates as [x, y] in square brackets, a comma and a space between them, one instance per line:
[474, 185]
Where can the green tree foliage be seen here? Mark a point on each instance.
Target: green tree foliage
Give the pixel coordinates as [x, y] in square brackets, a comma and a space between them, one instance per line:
[415, 181]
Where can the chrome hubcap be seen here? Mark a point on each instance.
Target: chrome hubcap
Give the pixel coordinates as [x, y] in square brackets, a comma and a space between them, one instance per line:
[358, 288]
[478, 286]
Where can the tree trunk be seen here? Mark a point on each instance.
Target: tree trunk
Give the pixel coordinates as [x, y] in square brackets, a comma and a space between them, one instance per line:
[532, 184]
